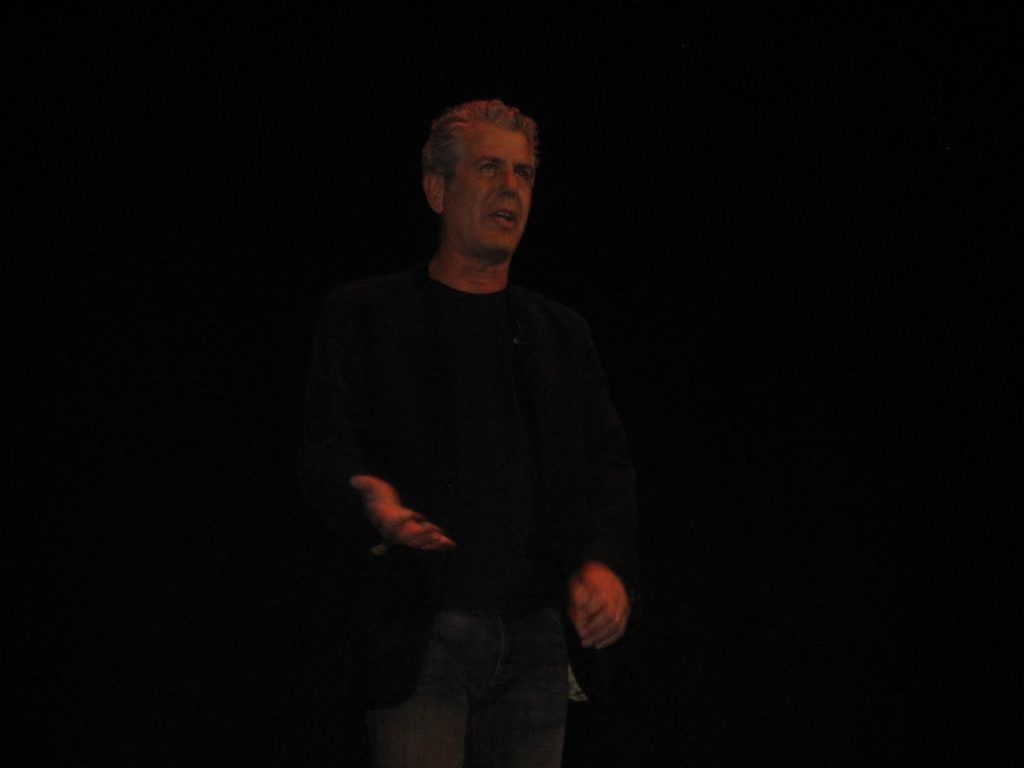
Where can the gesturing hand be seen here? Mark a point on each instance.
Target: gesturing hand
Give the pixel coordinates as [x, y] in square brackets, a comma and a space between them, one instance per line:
[395, 523]
[598, 605]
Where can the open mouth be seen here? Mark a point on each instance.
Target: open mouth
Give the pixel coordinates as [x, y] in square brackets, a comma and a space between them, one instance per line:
[505, 217]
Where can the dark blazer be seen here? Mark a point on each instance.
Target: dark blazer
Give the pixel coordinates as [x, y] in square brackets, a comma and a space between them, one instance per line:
[380, 401]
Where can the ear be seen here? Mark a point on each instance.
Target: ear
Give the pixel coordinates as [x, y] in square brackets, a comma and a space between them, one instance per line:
[433, 188]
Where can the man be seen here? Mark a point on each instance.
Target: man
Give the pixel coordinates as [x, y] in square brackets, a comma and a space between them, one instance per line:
[459, 437]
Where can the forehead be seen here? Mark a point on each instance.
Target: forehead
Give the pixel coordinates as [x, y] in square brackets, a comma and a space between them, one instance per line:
[486, 140]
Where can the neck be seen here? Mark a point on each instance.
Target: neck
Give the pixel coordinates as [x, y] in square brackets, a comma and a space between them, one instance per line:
[469, 275]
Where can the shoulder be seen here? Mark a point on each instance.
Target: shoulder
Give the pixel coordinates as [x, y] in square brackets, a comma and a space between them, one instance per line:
[369, 295]
[548, 313]
[377, 288]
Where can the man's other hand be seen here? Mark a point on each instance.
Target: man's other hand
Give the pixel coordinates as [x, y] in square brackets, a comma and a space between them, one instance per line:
[395, 523]
[598, 605]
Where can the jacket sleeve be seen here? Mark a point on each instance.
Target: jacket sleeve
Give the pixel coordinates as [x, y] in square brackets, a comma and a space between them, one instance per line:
[334, 427]
[611, 484]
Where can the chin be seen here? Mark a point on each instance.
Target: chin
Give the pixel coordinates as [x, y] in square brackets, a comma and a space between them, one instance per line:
[496, 255]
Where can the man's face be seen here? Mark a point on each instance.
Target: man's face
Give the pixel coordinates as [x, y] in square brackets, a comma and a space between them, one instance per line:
[485, 206]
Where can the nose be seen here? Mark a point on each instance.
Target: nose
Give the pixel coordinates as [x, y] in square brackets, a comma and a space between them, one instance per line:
[509, 180]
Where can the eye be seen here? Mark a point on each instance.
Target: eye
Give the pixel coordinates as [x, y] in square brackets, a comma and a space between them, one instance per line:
[525, 171]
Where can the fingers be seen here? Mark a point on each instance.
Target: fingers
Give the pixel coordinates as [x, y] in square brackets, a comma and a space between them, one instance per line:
[403, 526]
[396, 523]
[598, 606]
[602, 627]
[421, 534]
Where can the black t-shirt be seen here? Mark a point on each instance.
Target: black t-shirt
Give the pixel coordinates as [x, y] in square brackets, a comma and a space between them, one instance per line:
[491, 565]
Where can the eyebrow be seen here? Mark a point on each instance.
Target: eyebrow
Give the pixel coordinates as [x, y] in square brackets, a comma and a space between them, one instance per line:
[503, 161]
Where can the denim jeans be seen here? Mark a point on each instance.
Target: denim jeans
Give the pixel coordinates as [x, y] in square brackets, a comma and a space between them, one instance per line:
[492, 692]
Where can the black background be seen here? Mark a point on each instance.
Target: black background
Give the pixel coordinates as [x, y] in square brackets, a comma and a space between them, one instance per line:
[793, 243]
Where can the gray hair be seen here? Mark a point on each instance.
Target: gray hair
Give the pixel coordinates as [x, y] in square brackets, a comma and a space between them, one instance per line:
[442, 151]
